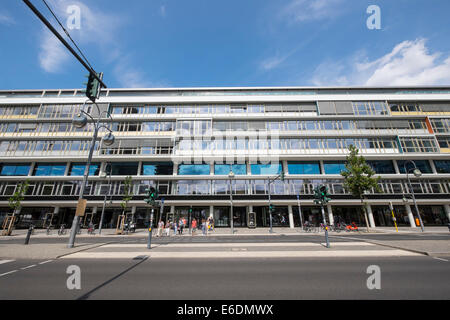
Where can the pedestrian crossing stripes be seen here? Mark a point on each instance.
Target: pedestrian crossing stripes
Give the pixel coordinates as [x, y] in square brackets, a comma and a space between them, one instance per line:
[239, 250]
[5, 261]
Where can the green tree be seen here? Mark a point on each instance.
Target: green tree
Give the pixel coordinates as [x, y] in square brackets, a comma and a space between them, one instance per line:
[15, 202]
[127, 193]
[359, 178]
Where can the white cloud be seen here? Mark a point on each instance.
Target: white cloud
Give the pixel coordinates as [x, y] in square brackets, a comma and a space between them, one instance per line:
[408, 64]
[53, 54]
[162, 11]
[272, 63]
[310, 10]
[6, 19]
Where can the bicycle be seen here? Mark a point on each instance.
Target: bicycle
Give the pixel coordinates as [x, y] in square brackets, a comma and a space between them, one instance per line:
[91, 230]
[62, 230]
[49, 228]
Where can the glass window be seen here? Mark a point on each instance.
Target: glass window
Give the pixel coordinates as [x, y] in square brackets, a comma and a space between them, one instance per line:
[44, 169]
[193, 169]
[382, 166]
[14, 170]
[422, 165]
[303, 167]
[224, 169]
[124, 168]
[77, 169]
[442, 166]
[157, 168]
[266, 169]
[333, 167]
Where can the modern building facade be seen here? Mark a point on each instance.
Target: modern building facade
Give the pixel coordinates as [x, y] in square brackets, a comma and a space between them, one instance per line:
[185, 142]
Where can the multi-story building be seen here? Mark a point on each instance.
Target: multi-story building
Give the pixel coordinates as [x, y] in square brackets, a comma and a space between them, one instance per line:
[185, 142]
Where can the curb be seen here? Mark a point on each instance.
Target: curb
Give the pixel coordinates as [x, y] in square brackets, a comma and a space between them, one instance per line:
[85, 249]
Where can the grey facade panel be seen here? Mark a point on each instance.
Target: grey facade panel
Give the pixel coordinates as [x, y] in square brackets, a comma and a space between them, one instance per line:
[344, 107]
[326, 107]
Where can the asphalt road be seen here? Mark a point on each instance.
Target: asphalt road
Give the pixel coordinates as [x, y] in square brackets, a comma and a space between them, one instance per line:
[242, 279]
[236, 238]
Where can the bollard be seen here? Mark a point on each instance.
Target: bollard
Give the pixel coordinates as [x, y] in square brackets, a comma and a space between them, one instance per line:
[30, 230]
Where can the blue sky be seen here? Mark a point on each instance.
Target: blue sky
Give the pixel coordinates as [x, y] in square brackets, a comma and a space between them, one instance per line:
[201, 43]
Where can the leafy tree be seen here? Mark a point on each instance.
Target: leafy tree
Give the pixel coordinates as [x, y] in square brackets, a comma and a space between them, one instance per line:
[15, 201]
[127, 193]
[359, 178]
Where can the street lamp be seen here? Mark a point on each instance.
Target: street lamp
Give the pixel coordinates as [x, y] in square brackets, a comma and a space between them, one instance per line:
[417, 173]
[281, 176]
[108, 194]
[79, 121]
[231, 176]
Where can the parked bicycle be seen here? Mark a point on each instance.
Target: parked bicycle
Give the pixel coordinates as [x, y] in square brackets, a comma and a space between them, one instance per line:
[91, 229]
[62, 230]
[49, 228]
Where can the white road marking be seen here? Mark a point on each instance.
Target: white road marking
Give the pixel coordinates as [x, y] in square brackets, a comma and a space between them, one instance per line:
[5, 261]
[24, 268]
[440, 259]
[244, 254]
[234, 245]
[4, 274]
[44, 262]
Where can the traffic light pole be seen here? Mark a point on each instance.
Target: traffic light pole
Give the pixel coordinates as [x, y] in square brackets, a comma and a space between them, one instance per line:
[326, 226]
[270, 203]
[150, 227]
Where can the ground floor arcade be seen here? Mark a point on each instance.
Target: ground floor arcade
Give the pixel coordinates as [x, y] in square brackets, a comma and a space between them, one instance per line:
[289, 216]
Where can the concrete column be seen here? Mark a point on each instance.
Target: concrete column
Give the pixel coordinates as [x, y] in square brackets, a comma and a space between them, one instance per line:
[139, 168]
[56, 210]
[397, 170]
[291, 217]
[33, 164]
[322, 168]
[433, 167]
[370, 214]
[410, 216]
[211, 211]
[172, 211]
[330, 214]
[250, 208]
[447, 211]
[175, 169]
[66, 172]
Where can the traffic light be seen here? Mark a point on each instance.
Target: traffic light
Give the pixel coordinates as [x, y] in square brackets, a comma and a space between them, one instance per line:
[321, 195]
[271, 208]
[93, 86]
[152, 195]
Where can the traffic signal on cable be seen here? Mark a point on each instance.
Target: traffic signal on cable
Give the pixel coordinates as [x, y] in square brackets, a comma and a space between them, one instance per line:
[93, 86]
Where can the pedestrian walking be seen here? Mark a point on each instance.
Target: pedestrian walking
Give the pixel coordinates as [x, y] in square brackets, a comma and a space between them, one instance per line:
[160, 228]
[194, 226]
[167, 228]
[181, 226]
[204, 227]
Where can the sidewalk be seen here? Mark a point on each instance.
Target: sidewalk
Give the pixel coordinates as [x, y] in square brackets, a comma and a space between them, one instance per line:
[276, 231]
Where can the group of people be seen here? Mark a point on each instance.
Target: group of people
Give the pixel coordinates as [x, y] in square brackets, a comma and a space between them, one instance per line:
[178, 226]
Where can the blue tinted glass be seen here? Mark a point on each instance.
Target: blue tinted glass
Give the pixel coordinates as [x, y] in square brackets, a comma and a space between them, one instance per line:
[50, 170]
[442, 166]
[193, 169]
[422, 165]
[78, 169]
[333, 167]
[303, 168]
[382, 166]
[8, 170]
[224, 169]
[266, 169]
[58, 170]
[42, 170]
[22, 170]
[157, 168]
